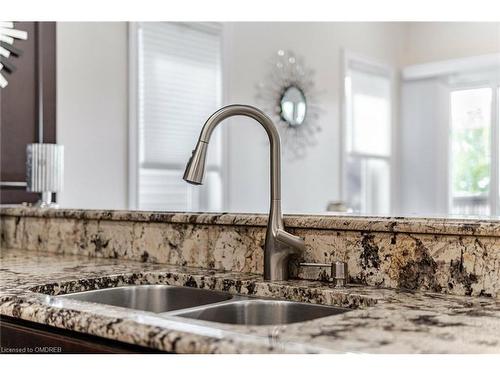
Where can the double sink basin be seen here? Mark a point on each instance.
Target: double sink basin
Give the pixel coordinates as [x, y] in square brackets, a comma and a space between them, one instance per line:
[206, 305]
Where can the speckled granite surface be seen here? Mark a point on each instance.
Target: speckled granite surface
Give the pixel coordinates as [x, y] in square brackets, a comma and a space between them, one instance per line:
[431, 225]
[383, 321]
[455, 256]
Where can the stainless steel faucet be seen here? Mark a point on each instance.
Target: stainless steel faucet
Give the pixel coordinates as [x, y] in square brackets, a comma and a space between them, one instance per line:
[279, 243]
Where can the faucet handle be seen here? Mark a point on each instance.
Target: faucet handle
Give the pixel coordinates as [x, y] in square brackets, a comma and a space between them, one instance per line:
[338, 270]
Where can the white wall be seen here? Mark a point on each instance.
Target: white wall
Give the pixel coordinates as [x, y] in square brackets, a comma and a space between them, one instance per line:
[308, 184]
[424, 148]
[92, 110]
[92, 104]
[435, 41]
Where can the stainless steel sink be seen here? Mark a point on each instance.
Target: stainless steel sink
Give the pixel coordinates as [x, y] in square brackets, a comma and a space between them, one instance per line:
[154, 298]
[262, 312]
[207, 305]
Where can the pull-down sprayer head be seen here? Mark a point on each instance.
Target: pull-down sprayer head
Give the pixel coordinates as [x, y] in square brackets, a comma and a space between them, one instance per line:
[195, 168]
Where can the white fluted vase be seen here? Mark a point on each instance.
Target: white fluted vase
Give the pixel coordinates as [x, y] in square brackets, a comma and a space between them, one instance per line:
[45, 171]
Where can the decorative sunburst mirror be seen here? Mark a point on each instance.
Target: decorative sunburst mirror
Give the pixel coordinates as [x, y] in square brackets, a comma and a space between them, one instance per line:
[8, 35]
[288, 96]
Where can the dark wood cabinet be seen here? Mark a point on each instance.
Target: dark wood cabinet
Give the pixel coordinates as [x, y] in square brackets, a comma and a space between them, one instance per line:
[22, 337]
[27, 106]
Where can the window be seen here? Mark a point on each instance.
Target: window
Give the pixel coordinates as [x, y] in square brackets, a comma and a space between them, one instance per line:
[368, 123]
[470, 150]
[178, 87]
[474, 185]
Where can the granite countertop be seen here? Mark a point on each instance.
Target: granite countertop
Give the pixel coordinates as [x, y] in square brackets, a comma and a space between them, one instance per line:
[457, 225]
[382, 320]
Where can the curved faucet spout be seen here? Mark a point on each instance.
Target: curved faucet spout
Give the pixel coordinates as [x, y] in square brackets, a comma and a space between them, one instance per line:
[196, 165]
[279, 243]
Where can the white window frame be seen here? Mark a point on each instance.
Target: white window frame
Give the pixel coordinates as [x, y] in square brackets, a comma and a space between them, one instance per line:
[494, 194]
[133, 121]
[348, 57]
[450, 68]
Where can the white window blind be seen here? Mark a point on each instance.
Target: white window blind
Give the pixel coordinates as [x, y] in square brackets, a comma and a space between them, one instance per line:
[368, 137]
[179, 86]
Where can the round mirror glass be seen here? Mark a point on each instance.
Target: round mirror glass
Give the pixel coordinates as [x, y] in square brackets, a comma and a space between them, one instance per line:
[293, 106]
